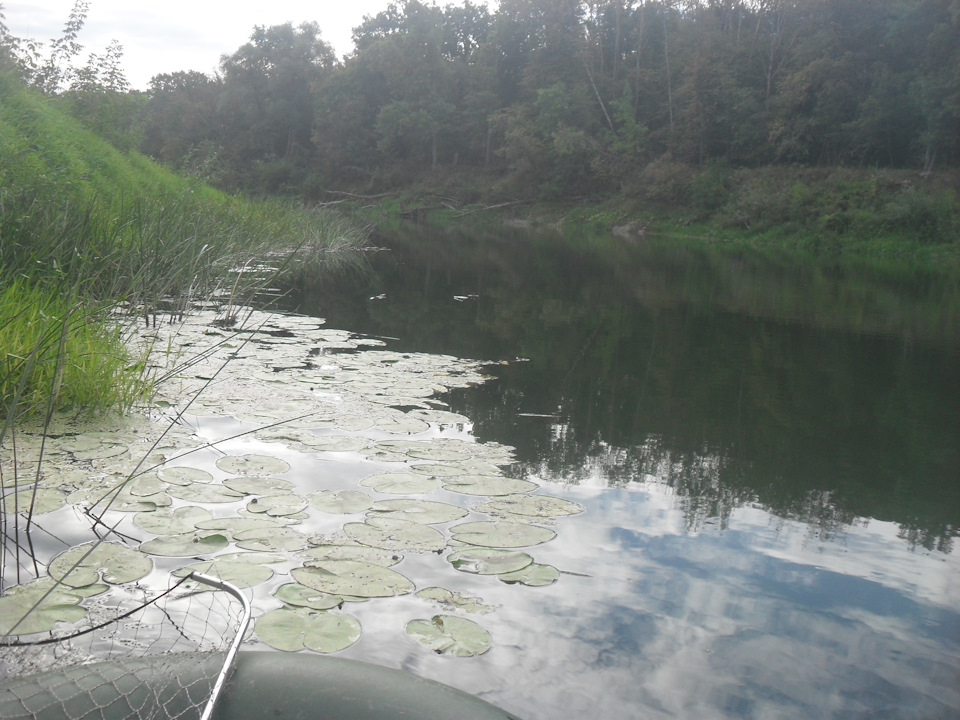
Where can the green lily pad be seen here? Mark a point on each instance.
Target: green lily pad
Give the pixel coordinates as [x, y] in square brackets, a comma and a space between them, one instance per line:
[353, 578]
[271, 539]
[301, 596]
[343, 502]
[171, 522]
[252, 485]
[260, 558]
[252, 465]
[145, 485]
[334, 443]
[46, 500]
[377, 556]
[393, 534]
[489, 561]
[450, 635]
[402, 425]
[241, 574]
[204, 493]
[184, 475]
[502, 534]
[86, 564]
[540, 506]
[534, 575]
[427, 512]
[292, 630]
[185, 544]
[118, 500]
[455, 600]
[437, 469]
[277, 505]
[489, 485]
[21, 615]
[401, 483]
[233, 525]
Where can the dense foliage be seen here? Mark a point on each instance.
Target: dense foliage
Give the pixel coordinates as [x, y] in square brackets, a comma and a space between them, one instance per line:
[569, 97]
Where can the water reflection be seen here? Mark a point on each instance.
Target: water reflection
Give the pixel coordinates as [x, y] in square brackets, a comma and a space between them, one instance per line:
[823, 392]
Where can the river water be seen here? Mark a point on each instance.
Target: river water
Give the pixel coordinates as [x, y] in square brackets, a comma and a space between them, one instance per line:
[767, 448]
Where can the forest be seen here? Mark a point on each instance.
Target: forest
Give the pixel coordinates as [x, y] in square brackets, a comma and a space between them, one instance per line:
[566, 100]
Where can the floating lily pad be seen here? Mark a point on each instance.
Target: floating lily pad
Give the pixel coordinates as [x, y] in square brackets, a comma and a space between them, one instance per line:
[233, 525]
[46, 500]
[401, 483]
[353, 578]
[19, 615]
[277, 505]
[441, 417]
[292, 630]
[260, 558]
[334, 443]
[253, 485]
[450, 635]
[489, 485]
[241, 574]
[437, 469]
[271, 539]
[534, 575]
[541, 506]
[427, 512]
[184, 475]
[301, 596]
[343, 502]
[489, 561]
[377, 556]
[117, 499]
[205, 493]
[252, 465]
[172, 522]
[502, 534]
[458, 601]
[438, 452]
[145, 485]
[393, 534]
[86, 564]
[405, 425]
[101, 451]
[185, 544]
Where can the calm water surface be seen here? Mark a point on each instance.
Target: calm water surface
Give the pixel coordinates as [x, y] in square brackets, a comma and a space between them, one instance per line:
[768, 449]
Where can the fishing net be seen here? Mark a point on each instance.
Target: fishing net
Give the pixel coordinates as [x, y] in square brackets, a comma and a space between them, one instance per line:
[163, 657]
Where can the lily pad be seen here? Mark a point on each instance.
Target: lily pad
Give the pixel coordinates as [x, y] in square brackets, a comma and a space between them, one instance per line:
[455, 600]
[343, 502]
[437, 469]
[233, 525]
[271, 539]
[540, 506]
[253, 485]
[503, 534]
[172, 522]
[277, 505]
[241, 574]
[301, 596]
[20, 614]
[334, 443]
[260, 558]
[402, 425]
[46, 500]
[450, 635]
[377, 556]
[489, 485]
[427, 512]
[183, 475]
[86, 564]
[292, 630]
[204, 493]
[252, 465]
[145, 485]
[489, 561]
[185, 544]
[401, 483]
[353, 578]
[393, 534]
[534, 575]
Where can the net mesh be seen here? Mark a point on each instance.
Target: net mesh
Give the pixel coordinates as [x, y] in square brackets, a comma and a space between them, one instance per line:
[159, 657]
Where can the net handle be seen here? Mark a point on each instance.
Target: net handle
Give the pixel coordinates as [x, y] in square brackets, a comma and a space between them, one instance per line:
[237, 641]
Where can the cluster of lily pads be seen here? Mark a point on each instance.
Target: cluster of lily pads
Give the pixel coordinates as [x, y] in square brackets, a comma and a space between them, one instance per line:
[250, 517]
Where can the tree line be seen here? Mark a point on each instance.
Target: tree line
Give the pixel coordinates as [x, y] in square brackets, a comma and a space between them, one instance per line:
[549, 97]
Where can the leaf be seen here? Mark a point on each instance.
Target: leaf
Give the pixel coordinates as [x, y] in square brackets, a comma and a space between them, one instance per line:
[252, 485]
[450, 635]
[353, 578]
[377, 556]
[277, 505]
[204, 493]
[393, 534]
[113, 562]
[401, 483]
[292, 630]
[47, 500]
[489, 485]
[455, 600]
[420, 511]
[343, 502]
[172, 522]
[489, 561]
[502, 534]
[271, 539]
[241, 574]
[541, 506]
[185, 544]
[302, 596]
[252, 465]
[184, 475]
[534, 575]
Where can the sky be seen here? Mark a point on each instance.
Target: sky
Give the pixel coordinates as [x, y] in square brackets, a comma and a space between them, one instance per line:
[163, 37]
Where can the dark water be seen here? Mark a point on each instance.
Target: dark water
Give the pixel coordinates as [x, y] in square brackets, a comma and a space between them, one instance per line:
[768, 448]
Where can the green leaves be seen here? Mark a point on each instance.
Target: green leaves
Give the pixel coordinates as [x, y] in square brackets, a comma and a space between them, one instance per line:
[450, 635]
[295, 629]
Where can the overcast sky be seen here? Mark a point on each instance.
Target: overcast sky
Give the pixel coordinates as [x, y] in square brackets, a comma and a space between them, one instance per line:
[176, 35]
